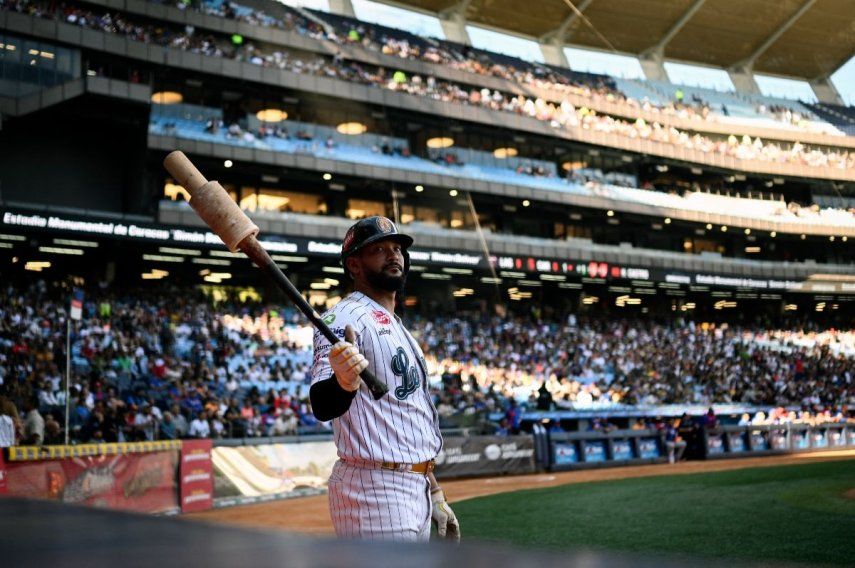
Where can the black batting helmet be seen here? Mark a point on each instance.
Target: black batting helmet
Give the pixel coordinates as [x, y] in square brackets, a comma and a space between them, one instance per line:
[370, 230]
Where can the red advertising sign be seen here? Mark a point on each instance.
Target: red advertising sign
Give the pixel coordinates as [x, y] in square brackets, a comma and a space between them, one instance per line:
[196, 476]
[2, 474]
[143, 482]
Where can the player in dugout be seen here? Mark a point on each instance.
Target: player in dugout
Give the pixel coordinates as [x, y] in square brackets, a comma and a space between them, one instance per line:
[382, 486]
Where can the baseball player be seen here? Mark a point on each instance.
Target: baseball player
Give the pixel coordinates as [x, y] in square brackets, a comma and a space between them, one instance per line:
[383, 486]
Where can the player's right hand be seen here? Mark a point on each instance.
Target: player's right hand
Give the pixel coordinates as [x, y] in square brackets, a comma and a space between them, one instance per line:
[347, 362]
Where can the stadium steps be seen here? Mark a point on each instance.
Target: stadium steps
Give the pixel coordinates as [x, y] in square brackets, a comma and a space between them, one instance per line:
[51, 96]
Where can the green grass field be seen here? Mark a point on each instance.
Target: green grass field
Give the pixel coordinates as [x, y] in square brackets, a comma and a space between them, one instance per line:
[790, 513]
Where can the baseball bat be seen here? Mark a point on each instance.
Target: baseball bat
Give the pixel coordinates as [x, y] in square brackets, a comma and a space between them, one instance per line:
[238, 232]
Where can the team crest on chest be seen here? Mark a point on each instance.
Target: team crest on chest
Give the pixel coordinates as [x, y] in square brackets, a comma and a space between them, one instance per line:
[409, 376]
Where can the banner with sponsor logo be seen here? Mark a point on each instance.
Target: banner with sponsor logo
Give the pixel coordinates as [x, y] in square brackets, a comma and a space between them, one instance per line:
[142, 482]
[196, 476]
[485, 455]
[271, 469]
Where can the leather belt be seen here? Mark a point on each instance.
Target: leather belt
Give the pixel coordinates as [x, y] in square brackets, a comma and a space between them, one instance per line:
[422, 468]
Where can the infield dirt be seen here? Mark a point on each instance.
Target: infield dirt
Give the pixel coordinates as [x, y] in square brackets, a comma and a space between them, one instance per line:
[310, 515]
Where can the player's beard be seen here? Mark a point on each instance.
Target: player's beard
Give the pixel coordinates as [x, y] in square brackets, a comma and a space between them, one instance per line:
[386, 282]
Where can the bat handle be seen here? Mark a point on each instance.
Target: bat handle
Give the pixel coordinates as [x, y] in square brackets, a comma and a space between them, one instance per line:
[378, 389]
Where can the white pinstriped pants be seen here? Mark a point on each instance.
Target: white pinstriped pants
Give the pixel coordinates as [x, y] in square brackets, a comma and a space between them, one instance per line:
[379, 504]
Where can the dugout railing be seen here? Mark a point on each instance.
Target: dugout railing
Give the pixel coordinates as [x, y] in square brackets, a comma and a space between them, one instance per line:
[579, 450]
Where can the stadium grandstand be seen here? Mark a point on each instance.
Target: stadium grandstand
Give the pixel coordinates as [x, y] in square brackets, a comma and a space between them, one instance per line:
[614, 252]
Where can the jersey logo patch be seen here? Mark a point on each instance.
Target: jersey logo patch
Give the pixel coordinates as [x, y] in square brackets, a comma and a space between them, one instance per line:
[409, 376]
[329, 318]
[381, 317]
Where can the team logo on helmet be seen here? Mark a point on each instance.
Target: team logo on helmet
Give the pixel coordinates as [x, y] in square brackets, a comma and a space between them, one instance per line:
[385, 225]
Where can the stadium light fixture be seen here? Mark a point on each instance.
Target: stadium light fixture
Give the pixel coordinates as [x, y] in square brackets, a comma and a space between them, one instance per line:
[420, 188]
[228, 163]
[351, 128]
[76, 243]
[180, 251]
[610, 213]
[36, 265]
[327, 176]
[62, 250]
[162, 258]
[440, 142]
[831, 238]
[167, 98]
[13, 238]
[773, 234]
[724, 228]
[747, 231]
[567, 166]
[709, 226]
[667, 220]
[453, 193]
[790, 307]
[752, 249]
[271, 115]
[503, 153]
[844, 238]
[804, 236]
[526, 202]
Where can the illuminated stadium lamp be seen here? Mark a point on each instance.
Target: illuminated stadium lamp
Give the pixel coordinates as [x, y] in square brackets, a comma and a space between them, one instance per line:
[803, 237]
[420, 188]
[526, 202]
[567, 166]
[724, 228]
[228, 163]
[752, 249]
[440, 142]
[351, 128]
[773, 234]
[331, 281]
[502, 153]
[61, 250]
[831, 238]
[747, 231]
[844, 238]
[167, 98]
[320, 286]
[709, 226]
[453, 193]
[36, 265]
[271, 115]
[327, 177]
[667, 220]
[610, 213]
[790, 308]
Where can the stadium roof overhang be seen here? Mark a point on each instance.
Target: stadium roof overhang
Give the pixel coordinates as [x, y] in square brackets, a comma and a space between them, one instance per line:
[808, 39]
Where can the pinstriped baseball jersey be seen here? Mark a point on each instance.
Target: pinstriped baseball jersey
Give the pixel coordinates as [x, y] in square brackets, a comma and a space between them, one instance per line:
[403, 426]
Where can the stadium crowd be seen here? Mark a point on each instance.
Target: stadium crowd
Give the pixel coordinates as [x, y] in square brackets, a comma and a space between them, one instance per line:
[559, 116]
[171, 365]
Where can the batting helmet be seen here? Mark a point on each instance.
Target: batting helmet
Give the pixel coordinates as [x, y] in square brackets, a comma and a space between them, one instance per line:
[370, 230]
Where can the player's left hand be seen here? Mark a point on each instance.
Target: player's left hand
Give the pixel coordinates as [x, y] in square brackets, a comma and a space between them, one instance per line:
[447, 525]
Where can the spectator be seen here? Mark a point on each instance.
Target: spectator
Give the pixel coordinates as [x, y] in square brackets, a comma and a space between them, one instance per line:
[34, 424]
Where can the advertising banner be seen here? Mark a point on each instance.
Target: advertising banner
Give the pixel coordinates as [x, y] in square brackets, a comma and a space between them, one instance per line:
[485, 455]
[142, 482]
[648, 448]
[622, 450]
[2, 474]
[196, 476]
[737, 441]
[715, 444]
[271, 469]
[595, 451]
[565, 453]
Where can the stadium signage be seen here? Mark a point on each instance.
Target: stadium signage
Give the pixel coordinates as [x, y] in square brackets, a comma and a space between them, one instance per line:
[738, 282]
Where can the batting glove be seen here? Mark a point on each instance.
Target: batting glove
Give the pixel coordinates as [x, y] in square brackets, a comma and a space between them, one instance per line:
[347, 362]
[444, 519]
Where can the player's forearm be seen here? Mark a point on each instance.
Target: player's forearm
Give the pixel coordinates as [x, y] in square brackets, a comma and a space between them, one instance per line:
[329, 400]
